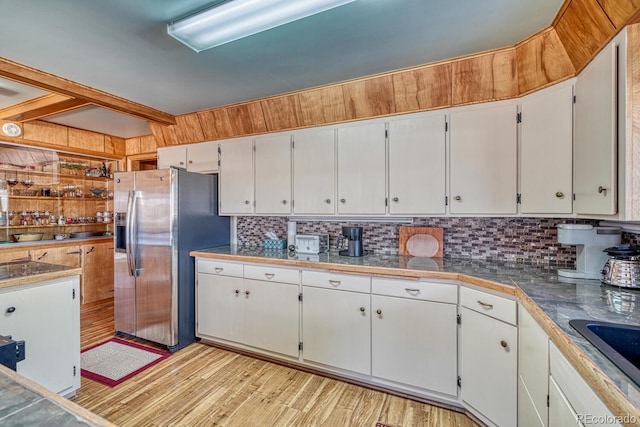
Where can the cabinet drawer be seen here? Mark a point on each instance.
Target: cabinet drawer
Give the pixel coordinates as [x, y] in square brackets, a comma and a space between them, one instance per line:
[345, 282]
[222, 268]
[415, 289]
[489, 304]
[272, 274]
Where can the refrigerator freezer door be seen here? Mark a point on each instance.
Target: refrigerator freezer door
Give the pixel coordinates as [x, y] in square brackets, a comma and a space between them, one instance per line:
[124, 282]
[155, 289]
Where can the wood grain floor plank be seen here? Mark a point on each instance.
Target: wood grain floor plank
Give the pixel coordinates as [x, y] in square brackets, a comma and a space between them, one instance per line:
[202, 385]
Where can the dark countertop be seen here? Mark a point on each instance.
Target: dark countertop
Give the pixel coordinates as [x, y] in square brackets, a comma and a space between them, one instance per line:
[560, 299]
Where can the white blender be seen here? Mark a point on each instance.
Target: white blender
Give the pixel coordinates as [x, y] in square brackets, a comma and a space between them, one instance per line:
[590, 243]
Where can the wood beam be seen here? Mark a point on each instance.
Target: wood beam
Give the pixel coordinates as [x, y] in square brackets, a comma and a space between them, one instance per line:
[42, 106]
[49, 82]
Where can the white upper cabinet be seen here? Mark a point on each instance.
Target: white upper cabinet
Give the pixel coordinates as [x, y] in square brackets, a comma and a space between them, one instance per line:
[201, 157]
[314, 171]
[594, 155]
[483, 172]
[273, 174]
[236, 176]
[546, 151]
[417, 165]
[361, 169]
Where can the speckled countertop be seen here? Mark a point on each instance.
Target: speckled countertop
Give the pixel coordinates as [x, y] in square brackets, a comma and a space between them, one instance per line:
[24, 272]
[560, 300]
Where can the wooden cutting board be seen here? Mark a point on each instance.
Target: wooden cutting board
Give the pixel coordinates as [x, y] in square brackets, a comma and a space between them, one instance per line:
[420, 241]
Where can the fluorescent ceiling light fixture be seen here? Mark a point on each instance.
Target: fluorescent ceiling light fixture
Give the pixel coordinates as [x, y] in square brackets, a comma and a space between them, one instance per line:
[235, 19]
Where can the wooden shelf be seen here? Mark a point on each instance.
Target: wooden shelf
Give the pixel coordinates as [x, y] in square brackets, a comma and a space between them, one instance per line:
[83, 224]
[79, 199]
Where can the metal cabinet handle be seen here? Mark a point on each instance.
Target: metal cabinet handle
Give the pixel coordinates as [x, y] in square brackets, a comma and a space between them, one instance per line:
[246, 202]
[74, 253]
[328, 201]
[504, 344]
[190, 161]
[42, 256]
[218, 269]
[412, 290]
[343, 200]
[485, 305]
[269, 275]
[11, 310]
[182, 163]
[379, 312]
[237, 291]
[247, 293]
[560, 195]
[395, 199]
[601, 190]
[92, 249]
[457, 198]
[334, 282]
[284, 202]
[362, 309]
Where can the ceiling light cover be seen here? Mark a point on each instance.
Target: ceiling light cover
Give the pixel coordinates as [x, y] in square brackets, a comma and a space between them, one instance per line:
[236, 19]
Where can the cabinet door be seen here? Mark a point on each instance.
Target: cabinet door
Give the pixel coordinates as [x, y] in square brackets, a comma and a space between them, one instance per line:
[314, 171]
[97, 272]
[46, 317]
[546, 151]
[561, 413]
[220, 304]
[271, 316]
[336, 329]
[405, 335]
[361, 169]
[483, 160]
[236, 176]
[202, 157]
[417, 165]
[63, 255]
[533, 371]
[172, 156]
[273, 174]
[594, 156]
[488, 367]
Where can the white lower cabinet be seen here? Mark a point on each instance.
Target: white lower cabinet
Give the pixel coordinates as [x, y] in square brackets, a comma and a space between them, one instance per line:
[257, 313]
[488, 359]
[571, 398]
[533, 372]
[414, 334]
[336, 328]
[46, 316]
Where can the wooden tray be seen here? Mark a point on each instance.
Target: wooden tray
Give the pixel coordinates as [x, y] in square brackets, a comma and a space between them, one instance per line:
[420, 241]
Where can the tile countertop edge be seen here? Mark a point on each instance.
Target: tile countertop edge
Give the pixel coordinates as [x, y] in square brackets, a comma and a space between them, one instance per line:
[65, 404]
[612, 396]
[26, 280]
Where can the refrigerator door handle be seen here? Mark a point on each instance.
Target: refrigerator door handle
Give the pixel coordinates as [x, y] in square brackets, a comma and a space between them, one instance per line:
[129, 233]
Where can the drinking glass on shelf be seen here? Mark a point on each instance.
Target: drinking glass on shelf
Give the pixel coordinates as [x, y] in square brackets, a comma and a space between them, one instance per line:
[11, 215]
[27, 182]
[12, 182]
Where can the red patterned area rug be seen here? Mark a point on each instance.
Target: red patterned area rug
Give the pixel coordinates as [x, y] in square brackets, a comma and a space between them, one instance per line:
[116, 360]
[382, 425]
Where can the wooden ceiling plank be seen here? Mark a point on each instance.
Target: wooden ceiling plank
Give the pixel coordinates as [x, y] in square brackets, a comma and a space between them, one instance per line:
[49, 82]
[42, 106]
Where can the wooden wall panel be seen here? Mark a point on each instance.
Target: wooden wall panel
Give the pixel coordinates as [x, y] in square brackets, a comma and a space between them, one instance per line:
[148, 144]
[246, 119]
[85, 140]
[188, 129]
[322, 106]
[282, 112]
[542, 60]
[486, 77]
[620, 11]
[46, 132]
[369, 97]
[215, 124]
[423, 88]
[133, 146]
[165, 135]
[115, 145]
[583, 29]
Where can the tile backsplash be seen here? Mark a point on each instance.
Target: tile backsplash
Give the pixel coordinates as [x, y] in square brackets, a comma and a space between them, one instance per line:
[524, 240]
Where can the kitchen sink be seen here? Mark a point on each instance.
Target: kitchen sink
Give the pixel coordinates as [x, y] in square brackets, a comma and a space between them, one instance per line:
[620, 343]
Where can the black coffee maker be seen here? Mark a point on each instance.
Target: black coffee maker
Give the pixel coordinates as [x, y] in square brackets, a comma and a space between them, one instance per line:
[353, 238]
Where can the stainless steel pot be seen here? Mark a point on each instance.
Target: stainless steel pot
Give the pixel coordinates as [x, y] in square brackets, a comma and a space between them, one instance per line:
[622, 269]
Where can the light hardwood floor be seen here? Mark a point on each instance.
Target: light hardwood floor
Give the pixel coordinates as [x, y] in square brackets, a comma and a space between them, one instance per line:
[205, 386]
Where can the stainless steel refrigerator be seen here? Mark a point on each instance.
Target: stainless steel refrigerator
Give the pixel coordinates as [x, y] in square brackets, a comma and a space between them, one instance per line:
[161, 215]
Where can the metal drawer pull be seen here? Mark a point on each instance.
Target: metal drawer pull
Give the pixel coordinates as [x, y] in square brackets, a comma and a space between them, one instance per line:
[362, 309]
[218, 269]
[485, 305]
[379, 312]
[412, 290]
[334, 282]
[247, 293]
[74, 253]
[269, 275]
[504, 344]
[237, 291]
[91, 250]
[11, 309]
[42, 256]
[328, 201]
